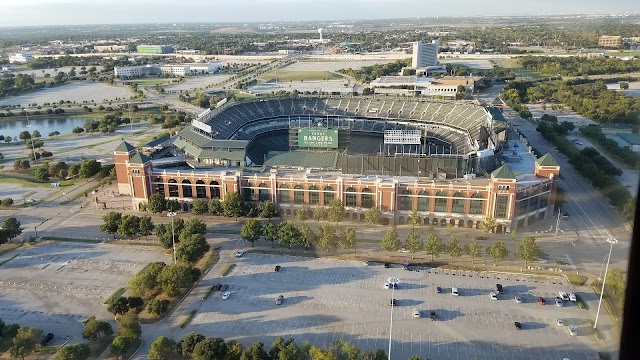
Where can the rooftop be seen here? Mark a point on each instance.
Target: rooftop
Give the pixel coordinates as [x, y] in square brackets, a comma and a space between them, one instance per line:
[124, 147]
[632, 139]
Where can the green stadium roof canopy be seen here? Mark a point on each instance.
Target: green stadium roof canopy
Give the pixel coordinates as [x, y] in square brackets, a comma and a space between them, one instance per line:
[503, 172]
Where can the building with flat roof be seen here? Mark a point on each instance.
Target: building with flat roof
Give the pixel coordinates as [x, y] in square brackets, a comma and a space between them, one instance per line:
[125, 72]
[610, 41]
[424, 86]
[20, 58]
[424, 54]
[155, 49]
[110, 48]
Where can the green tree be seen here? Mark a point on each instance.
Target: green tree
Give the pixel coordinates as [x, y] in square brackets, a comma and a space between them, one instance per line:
[89, 168]
[215, 207]
[192, 248]
[35, 134]
[251, 230]
[210, 348]
[433, 246]
[120, 346]
[474, 249]
[413, 243]
[129, 226]
[129, 326]
[498, 251]
[336, 213]
[454, 249]
[73, 352]
[189, 342]
[302, 214]
[234, 350]
[373, 216]
[144, 283]
[327, 238]
[255, 352]
[145, 226]
[174, 277]
[270, 232]
[95, 329]
[157, 203]
[528, 250]
[41, 174]
[118, 306]
[308, 236]
[10, 229]
[615, 283]
[158, 307]
[111, 222]
[289, 234]
[391, 242]
[319, 213]
[489, 224]
[194, 226]
[414, 219]
[135, 302]
[200, 207]
[267, 210]
[24, 342]
[232, 205]
[347, 239]
[24, 135]
[162, 348]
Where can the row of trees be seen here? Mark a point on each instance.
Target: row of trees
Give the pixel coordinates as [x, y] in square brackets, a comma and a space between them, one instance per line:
[369, 73]
[6, 202]
[198, 347]
[22, 340]
[189, 237]
[126, 226]
[578, 66]
[625, 154]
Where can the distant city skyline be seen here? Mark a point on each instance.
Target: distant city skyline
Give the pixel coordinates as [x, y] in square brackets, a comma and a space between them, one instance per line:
[74, 12]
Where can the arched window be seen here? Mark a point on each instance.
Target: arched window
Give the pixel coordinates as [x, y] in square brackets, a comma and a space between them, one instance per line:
[186, 189]
[423, 201]
[298, 194]
[441, 202]
[457, 206]
[214, 188]
[366, 199]
[173, 188]
[201, 190]
[329, 195]
[159, 186]
[476, 205]
[283, 194]
[314, 195]
[263, 192]
[248, 191]
[350, 197]
[406, 200]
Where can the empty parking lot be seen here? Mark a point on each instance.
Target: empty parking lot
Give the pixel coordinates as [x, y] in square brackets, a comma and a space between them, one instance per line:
[327, 300]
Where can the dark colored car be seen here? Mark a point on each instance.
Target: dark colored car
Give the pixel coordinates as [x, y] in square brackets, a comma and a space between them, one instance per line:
[518, 325]
[432, 315]
[393, 302]
[386, 265]
[499, 288]
[541, 301]
[45, 339]
[439, 290]
[224, 287]
[278, 268]
[279, 300]
[217, 287]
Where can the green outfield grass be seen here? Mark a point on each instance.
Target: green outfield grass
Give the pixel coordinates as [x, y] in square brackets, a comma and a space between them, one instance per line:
[285, 75]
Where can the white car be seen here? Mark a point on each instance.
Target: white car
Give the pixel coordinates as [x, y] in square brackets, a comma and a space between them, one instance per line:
[559, 302]
[454, 291]
[239, 253]
[403, 250]
[572, 297]
[563, 295]
[559, 322]
[517, 299]
[493, 296]
[387, 285]
[416, 313]
[226, 295]
[573, 331]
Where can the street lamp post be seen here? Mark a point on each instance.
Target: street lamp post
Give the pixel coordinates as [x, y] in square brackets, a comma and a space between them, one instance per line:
[33, 149]
[611, 241]
[173, 214]
[130, 118]
[558, 221]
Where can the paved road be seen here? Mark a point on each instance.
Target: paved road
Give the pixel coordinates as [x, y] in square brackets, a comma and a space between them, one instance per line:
[591, 219]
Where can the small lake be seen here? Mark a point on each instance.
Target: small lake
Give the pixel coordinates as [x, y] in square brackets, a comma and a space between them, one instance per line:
[65, 125]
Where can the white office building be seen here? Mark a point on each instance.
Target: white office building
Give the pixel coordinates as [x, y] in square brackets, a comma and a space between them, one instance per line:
[135, 71]
[175, 70]
[424, 55]
[20, 58]
[412, 86]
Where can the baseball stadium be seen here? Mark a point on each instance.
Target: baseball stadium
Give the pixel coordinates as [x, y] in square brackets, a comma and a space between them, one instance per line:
[452, 162]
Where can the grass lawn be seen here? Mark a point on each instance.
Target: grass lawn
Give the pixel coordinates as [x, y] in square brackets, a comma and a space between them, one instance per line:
[534, 75]
[285, 75]
[8, 179]
[244, 95]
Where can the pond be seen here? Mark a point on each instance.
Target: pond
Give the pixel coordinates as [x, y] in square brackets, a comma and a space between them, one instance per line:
[65, 125]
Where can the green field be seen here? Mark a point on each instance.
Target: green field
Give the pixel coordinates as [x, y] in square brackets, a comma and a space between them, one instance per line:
[285, 75]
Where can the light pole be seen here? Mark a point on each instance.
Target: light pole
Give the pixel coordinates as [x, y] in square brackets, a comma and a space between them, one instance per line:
[611, 241]
[558, 221]
[393, 282]
[33, 149]
[173, 214]
[130, 118]
[602, 268]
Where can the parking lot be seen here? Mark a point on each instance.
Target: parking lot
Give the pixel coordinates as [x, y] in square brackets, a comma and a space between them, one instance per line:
[327, 300]
[54, 286]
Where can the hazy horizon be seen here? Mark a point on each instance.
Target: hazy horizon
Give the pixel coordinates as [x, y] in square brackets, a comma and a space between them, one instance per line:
[81, 12]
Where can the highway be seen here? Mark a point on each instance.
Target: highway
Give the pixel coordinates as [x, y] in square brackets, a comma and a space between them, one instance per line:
[591, 219]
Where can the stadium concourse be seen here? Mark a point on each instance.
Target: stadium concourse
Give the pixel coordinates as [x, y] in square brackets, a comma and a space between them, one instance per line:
[445, 159]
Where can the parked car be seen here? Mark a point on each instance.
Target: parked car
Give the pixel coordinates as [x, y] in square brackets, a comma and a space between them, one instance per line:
[226, 295]
[439, 290]
[563, 295]
[454, 291]
[217, 287]
[559, 302]
[517, 299]
[45, 339]
[559, 322]
[279, 300]
[493, 296]
[387, 285]
[416, 313]
[573, 331]
[393, 302]
[572, 297]
[432, 315]
[541, 301]
[518, 325]
[386, 265]
[239, 253]
[278, 268]
[499, 288]
[224, 287]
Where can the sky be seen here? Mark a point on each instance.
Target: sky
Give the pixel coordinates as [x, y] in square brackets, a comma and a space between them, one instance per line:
[71, 12]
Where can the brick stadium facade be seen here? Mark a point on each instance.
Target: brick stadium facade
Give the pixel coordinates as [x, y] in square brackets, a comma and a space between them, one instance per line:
[514, 201]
